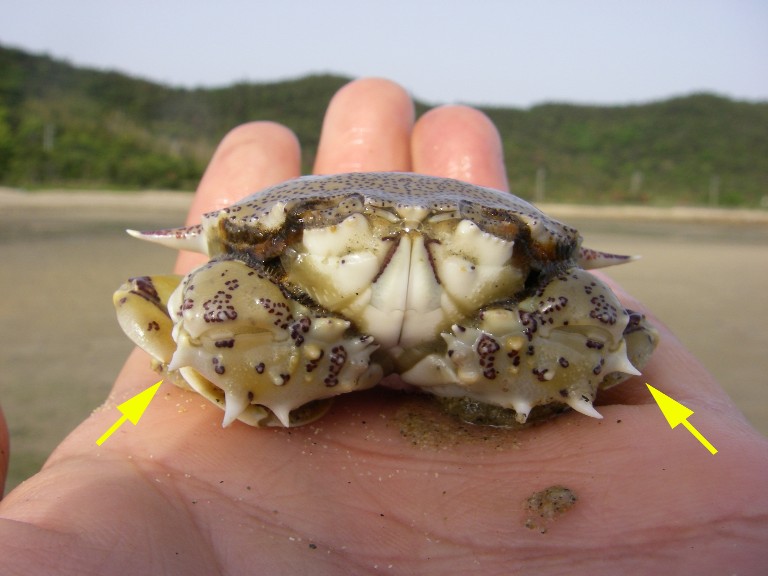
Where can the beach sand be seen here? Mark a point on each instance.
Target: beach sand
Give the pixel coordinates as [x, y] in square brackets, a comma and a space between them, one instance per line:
[704, 273]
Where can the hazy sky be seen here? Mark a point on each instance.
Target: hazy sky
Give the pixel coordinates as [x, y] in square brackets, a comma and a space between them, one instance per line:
[506, 52]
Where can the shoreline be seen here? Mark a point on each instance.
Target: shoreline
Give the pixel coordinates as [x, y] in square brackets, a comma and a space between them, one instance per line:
[172, 200]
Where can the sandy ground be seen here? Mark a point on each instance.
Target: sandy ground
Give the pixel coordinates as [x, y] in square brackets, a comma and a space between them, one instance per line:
[704, 273]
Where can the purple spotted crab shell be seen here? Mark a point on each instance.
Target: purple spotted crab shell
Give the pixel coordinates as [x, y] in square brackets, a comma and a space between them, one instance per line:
[326, 284]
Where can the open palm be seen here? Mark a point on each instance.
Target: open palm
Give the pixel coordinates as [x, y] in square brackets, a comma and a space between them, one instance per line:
[384, 482]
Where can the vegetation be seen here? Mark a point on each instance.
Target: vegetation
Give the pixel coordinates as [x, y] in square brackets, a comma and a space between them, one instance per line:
[66, 126]
[692, 150]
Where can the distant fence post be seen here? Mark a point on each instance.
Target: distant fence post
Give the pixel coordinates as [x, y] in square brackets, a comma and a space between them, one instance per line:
[49, 136]
[635, 183]
[541, 177]
[714, 190]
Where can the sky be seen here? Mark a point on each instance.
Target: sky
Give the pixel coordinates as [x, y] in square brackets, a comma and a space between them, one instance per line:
[493, 52]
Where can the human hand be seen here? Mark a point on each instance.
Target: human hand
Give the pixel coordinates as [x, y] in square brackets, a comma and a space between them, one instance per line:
[384, 482]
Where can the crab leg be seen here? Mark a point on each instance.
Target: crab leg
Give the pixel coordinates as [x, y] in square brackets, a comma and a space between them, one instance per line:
[141, 305]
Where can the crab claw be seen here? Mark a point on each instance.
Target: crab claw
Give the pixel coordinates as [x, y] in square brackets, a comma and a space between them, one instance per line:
[555, 347]
[590, 259]
[253, 350]
[190, 238]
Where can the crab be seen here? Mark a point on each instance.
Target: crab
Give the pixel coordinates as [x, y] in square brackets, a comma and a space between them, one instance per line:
[324, 285]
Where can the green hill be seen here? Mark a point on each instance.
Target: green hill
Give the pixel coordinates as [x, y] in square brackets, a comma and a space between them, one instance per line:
[62, 125]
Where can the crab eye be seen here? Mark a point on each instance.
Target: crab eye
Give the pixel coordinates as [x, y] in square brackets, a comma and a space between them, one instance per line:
[255, 242]
[322, 212]
[500, 223]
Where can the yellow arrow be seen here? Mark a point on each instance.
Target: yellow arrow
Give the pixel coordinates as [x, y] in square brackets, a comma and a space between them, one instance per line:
[132, 410]
[676, 413]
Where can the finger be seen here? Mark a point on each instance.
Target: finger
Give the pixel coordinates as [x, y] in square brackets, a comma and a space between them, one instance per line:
[4, 452]
[459, 142]
[367, 127]
[249, 158]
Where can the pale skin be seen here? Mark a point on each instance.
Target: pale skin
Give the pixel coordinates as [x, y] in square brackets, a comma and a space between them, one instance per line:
[350, 494]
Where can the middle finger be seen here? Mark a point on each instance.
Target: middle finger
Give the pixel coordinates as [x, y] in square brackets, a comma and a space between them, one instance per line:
[367, 127]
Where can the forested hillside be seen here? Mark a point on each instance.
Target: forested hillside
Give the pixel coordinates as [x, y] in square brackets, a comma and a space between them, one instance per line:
[66, 126]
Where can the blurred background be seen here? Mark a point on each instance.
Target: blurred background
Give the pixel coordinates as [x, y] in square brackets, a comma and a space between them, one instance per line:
[657, 112]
